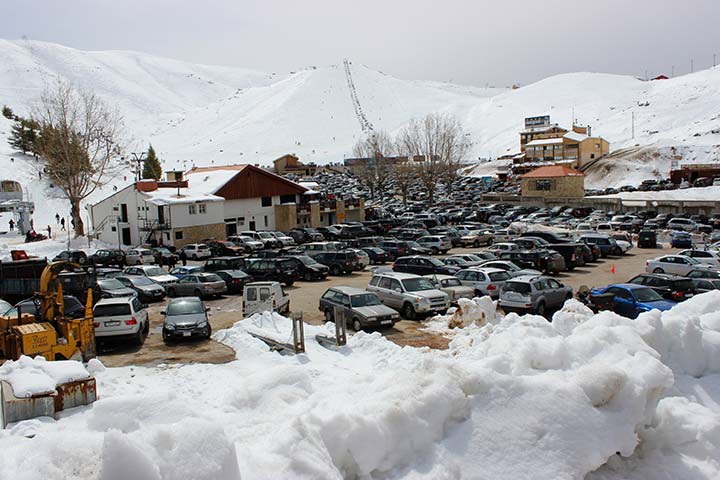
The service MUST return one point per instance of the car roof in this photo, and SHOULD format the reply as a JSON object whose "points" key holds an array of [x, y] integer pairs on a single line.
{"points": [[485, 269], [184, 299], [667, 276], [628, 286], [527, 278], [349, 290], [114, 301], [398, 275], [261, 284], [441, 277]]}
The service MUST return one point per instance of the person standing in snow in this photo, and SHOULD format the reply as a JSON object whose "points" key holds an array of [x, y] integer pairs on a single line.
{"points": [[11, 224], [62, 224], [49, 231], [183, 257], [57, 218]]}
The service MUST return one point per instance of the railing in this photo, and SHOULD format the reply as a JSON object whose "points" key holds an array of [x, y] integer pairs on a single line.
{"points": [[149, 225]]}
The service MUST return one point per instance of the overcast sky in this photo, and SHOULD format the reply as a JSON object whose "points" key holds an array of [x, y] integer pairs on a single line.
{"points": [[473, 42]]}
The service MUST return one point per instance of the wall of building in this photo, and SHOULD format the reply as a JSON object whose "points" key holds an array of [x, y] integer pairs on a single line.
{"points": [[104, 215], [194, 234], [560, 187], [249, 210], [591, 149], [285, 216]]}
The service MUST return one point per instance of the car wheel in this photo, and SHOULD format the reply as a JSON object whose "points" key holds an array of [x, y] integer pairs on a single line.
{"points": [[171, 292], [335, 270], [409, 312], [289, 283], [540, 309], [166, 337], [328, 316], [356, 325], [476, 243], [209, 331], [307, 276], [658, 270], [146, 329], [138, 338], [194, 256]]}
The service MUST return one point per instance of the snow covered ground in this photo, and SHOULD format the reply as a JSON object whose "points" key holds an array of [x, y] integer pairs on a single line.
{"points": [[586, 396], [699, 193]]}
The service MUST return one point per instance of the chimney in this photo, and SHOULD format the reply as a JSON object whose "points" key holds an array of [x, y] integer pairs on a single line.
{"points": [[589, 131], [146, 185]]}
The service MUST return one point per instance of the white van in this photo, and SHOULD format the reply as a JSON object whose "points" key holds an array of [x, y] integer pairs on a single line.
{"points": [[264, 297]]}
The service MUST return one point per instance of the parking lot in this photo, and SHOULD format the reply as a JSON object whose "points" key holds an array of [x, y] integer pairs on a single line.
{"points": [[304, 297]]}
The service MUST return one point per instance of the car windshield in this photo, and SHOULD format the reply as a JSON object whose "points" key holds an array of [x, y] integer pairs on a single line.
{"points": [[245, 239], [154, 272], [112, 310], [305, 260], [141, 281], [4, 307], [473, 258], [413, 244], [517, 287], [164, 251], [227, 244], [187, 307], [435, 262], [417, 284], [646, 295], [264, 235], [364, 300], [111, 284], [684, 285]]}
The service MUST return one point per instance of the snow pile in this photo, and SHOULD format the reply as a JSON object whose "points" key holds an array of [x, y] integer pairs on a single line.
{"points": [[36, 376], [513, 397], [478, 312]]}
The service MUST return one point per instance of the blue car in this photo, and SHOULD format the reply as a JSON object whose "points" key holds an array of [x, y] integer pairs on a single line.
{"points": [[181, 272], [681, 240], [631, 300]]}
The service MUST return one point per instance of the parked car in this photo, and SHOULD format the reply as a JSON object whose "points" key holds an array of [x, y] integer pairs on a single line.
{"points": [[682, 224], [223, 248], [400, 248], [670, 287], [676, 264], [309, 269], [108, 258], [112, 288], [185, 317], [681, 240], [631, 300], [198, 284], [182, 272], [513, 269], [476, 238], [703, 256], [268, 240], [360, 308], [484, 281], [313, 248], [246, 243], [154, 273], [163, 256], [549, 261], [703, 273], [533, 293], [224, 263], [377, 256], [264, 297], [139, 256], [280, 270], [436, 243], [73, 308], [235, 280], [283, 239], [339, 262], [423, 265], [123, 318], [647, 239], [704, 285], [74, 256], [410, 294], [452, 286], [196, 251], [146, 290]]}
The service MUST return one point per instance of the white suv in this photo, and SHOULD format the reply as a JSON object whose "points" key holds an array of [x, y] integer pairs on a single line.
{"points": [[140, 256], [408, 293], [197, 251], [436, 243], [123, 318], [683, 224]]}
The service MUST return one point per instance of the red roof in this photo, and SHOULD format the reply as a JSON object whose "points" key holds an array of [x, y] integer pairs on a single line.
{"points": [[553, 171]]}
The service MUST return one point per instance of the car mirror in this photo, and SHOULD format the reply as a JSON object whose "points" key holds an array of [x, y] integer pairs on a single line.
{"points": [[207, 309], [397, 290], [163, 312]]}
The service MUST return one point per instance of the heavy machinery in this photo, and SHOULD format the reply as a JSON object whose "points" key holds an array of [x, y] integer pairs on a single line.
{"points": [[53, 336]]}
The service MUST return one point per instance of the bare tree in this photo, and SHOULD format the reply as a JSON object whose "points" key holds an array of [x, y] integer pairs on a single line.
{"points": [[79, 136], [376, 171], [440, 140], [405, 173]]}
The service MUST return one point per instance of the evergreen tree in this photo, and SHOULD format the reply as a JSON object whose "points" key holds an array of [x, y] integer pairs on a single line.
{"points": [[24, 135], [152, 168], [8, 113]]}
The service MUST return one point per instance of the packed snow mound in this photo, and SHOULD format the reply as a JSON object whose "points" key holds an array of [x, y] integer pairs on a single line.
{"points": [[36, 376], [513, 397], [475, 312]]}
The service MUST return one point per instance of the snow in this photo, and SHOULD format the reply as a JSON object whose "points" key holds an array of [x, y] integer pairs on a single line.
{"points": [[686, 194], [594, 396], [34, 376]]}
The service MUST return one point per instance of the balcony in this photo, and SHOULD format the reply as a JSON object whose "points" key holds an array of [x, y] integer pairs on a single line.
{"points": [[149, 225]]}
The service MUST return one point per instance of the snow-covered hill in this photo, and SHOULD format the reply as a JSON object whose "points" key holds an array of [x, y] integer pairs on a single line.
{"points": [[199, 114]]}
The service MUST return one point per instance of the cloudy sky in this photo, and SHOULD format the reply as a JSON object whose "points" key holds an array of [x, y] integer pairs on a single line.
{"points": [[474, 42]]}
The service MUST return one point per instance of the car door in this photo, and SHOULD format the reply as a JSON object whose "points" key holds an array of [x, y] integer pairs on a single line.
{"points": [[395, 294], [682, 265], [624, 302], [556, 292], [140, 311], [184, 285]]}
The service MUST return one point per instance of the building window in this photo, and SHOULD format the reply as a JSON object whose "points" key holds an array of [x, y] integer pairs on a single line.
{"points": [[543, 185], [592, 155], [266, 222], [192, 210], [202, 208], [178, 235], [113, 229], [287, 198], [241, 220], [266, 201], [597, 145]]}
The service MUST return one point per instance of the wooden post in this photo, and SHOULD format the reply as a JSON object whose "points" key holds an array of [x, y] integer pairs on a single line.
{"points": [[340, 327], [298, 333]]}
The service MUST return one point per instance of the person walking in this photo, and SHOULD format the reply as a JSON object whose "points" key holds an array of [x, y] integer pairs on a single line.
{"points": [[62, 224], [11, 224], [171, 262], [49, 231], [57, 218], [183, 257]]}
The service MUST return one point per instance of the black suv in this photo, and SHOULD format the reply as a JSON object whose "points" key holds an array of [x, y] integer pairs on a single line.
{"points": [[573, 253], [224, 263], [224, 248], [107, 258], [163, 256], [423, 265], [339, 262], [74, 256], [308, 268], [548, 261], [671, 287], [280, 270]]}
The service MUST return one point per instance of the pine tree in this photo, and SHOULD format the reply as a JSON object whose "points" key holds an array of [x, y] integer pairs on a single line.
{"points": [[8, 113], [152, 168], [24, 135]]}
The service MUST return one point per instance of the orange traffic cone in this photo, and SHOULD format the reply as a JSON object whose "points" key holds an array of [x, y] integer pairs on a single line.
{"points": [[612, 269]]}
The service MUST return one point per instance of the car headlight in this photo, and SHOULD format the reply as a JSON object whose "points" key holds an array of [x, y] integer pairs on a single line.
{"points": [[371, 319], [202, 324], [394, 316], [169, 326]]}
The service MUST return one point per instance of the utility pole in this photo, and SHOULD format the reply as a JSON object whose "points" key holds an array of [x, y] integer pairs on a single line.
{"points": [[692, 65]]}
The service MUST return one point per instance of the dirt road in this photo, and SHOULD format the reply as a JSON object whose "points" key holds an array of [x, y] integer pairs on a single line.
{"points": [[304, 298]]}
